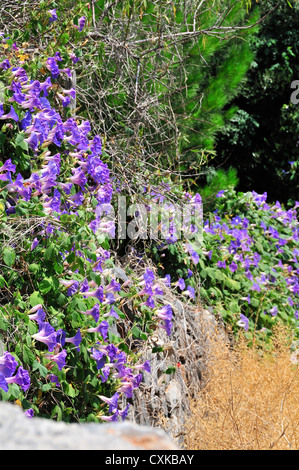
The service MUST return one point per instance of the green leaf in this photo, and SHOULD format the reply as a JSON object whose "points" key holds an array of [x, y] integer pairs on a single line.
{"points": [[137, 333], [69, 390], [35, 299], [3, 324], [45, 286], [46, 387], [232, 284], [64, 38], [50, 252], [28, 355], [157, 349], [254, 302], [2, 281], [33, 268], [234, 306], [42, 369], [9, 257], [14, 390], [20, 142], [170, 370]]}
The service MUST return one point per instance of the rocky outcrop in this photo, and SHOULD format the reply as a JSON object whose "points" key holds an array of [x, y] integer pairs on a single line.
{"points": [[18, 432], [178, 373]]}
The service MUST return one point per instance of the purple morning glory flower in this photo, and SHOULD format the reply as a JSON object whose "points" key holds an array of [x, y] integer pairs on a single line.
{"points": [[34, 244], [11, 115], [99, 357], [167, 280], [3, 383], [102, 328], [167, 326], [39, 316], [190, 292], [98, 293], [112, 402], [4, 65], [148, 277], [112, 313], [8, 364], [84, 286], [124, 412], [147, 290], [64, 99], [21, 378], [74, 58], [73, 288], [29, 413], [53, 15], [150, 302], [274, 311], [145, 366], [165, 313], [243, 322], [94, 312], [54, 379], [105, 372], [111, 418], [20, 73], [256, 286], [75, 340], [81, 23], [221, 264], [46, 335], [181, 284], [78, 178], [26, 121], [127, 389], [8, 166], [32, 141], [58, 358], [53, 67], [114, 286], [233, 267]]}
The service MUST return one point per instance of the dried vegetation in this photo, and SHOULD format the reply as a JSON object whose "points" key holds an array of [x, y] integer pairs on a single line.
{"points": [[251, 398]]}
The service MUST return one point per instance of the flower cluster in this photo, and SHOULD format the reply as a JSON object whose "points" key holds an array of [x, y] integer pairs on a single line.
{"points": [[254, 253], [8, 365], [62, 182]]}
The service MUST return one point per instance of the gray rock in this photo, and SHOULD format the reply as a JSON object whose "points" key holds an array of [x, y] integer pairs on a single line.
{"points": [[164, 399], [17, 432]]}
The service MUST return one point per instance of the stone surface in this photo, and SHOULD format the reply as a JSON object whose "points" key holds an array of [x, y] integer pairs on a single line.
{"points": [[164, 399], [17, 432]]}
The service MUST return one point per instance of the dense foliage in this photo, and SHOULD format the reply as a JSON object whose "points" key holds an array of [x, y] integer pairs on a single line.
{"points": [[261, 139]]}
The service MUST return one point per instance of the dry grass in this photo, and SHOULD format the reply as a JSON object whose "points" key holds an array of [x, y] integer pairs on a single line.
{"points": [[250, 401]]}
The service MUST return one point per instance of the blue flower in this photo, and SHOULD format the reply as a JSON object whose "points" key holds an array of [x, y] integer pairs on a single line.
{"points": [[53, 15], [81, 23], [75, 340], [11, 115], [21, 378], [46, 335], [243, 322]]}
